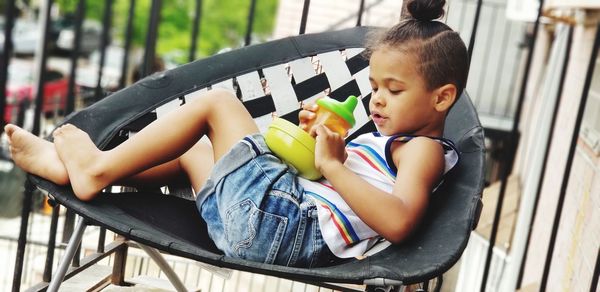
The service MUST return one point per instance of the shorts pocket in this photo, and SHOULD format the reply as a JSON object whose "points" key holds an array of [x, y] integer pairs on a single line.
{"points": [[253, 234]]}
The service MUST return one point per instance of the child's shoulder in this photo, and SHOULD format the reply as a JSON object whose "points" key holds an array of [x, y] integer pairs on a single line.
{"points": [[420, 149], [419, 144]]}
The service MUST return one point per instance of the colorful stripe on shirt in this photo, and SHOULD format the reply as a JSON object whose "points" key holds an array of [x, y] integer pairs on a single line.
{"points": [[372, 158], [339, 219]]}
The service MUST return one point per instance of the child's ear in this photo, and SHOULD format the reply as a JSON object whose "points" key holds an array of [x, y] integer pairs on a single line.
{"points": [[445, 97]]}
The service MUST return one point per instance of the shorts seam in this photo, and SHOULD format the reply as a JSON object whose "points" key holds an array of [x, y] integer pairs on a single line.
{"points": [[299, 237]]}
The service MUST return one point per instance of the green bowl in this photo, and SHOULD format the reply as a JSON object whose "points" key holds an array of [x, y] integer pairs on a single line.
{"points": [[294, 146]]}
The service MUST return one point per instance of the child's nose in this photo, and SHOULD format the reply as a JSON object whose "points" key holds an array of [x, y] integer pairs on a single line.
{"points": [[377, 98]]}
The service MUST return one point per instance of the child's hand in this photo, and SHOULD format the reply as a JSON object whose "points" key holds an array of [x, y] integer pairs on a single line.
{"points": [[330, 148], [307, 116]]}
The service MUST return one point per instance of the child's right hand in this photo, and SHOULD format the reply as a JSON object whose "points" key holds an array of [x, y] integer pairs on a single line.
{"points": [[307, 116], [330, 148]]}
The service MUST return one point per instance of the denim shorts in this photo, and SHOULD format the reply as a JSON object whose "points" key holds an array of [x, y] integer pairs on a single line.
{"points": [[256, 210]]}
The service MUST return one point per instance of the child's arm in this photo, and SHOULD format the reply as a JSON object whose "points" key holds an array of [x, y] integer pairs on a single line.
{"points": [[395, 215]]}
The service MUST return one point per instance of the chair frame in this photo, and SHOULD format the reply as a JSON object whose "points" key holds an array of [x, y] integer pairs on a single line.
{"points": [[116, 117]]}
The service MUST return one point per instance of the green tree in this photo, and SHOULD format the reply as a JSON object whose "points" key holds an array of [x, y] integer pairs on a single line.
{"points": [[223, 23]]}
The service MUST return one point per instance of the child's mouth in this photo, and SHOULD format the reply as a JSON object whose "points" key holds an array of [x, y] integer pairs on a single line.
{"points": [[377, 118]]}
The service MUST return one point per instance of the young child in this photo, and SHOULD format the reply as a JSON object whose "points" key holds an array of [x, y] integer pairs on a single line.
{"points": [[255, 206]]}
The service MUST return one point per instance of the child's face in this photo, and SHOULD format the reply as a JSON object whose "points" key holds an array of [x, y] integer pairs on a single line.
{"points": [[400, 102]]}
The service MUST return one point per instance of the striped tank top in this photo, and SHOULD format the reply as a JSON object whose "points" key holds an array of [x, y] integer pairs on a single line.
{"points": [[369, 156]]}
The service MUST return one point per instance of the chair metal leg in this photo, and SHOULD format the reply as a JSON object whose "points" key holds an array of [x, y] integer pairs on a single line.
{"points": [[384, 289], [438, 283], [164, 266], [20, 258], [74, 242]]}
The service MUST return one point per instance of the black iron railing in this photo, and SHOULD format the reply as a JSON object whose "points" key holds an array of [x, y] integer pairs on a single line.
{"points": [[509, 155], [495, 52], [566, 178], [9, 13]]}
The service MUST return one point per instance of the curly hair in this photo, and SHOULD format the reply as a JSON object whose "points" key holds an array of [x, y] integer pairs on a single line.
{"points": [[440, 54]]}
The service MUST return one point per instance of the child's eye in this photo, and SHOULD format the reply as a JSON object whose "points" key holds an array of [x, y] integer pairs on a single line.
{"points": [[395, 91], [374, 89]]}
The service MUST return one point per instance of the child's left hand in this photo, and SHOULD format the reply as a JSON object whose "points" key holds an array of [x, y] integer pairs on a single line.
{"points": [[330, 148]]}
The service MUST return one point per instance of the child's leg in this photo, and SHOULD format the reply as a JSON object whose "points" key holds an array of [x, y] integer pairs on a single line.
{"points": [[218, 114], [38, 156], [196, 164]]}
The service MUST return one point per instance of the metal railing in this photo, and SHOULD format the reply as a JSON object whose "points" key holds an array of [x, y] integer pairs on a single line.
{"points": [[495, 53], [569, 165]]}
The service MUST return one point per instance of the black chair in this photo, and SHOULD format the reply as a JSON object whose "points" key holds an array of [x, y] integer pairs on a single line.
{"points": [[275, 77]]}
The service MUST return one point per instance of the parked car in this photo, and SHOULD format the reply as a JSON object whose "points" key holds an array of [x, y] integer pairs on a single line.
{"points": [[91, 33], [20, 88], [25, 37]]}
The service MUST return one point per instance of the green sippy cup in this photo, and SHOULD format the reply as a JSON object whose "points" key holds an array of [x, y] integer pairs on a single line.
{"points": [[335, 115], [296, 147]]}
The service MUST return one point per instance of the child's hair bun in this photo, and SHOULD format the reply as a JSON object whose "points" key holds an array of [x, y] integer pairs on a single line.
{"points": [[426, 10]]}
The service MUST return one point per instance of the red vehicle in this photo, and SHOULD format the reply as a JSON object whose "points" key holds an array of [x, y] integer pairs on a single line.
{"points": [[20, 89]]}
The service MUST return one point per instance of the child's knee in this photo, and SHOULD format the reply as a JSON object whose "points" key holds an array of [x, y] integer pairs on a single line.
{"points": [[223, 95], [215, 99], [212, 100]]}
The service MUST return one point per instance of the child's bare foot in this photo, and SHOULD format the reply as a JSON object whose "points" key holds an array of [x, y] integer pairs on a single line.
{"points": [[35, 155], [82, 160]]}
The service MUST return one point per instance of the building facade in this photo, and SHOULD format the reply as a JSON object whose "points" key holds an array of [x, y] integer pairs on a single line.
{"points": [[576, 239]]}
